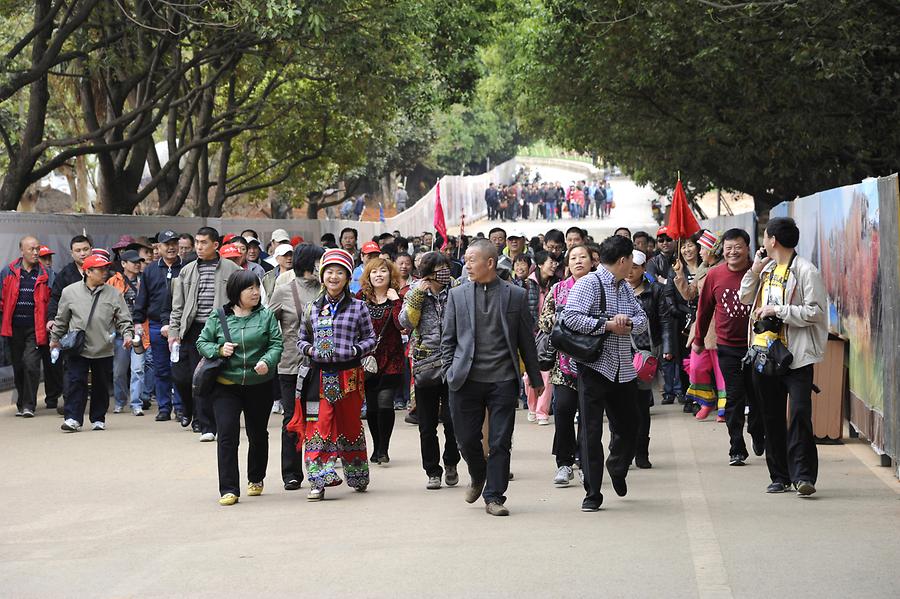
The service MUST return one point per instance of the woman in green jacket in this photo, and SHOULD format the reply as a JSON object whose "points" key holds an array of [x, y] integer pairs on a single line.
{"points": [[244, 381]]}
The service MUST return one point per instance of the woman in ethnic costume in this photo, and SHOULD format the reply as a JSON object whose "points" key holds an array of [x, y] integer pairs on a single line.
{"points": [[335, 333]]}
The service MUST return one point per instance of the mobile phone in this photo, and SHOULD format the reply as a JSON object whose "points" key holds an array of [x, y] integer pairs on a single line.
{"points": [[763, 253]]}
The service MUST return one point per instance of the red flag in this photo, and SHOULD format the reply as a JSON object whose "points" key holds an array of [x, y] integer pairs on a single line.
{"points": [[440, 225], [682, 223]]}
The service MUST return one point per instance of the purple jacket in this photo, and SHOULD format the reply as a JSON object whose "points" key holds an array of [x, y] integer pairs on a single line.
{"points": [[354, 336]]}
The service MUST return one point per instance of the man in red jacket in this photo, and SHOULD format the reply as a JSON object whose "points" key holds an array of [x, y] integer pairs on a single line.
{"points": [[721, 297], [24, 297]]}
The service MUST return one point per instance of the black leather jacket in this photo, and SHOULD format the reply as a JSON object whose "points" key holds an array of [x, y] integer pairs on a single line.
{"points": [[653, 301]]}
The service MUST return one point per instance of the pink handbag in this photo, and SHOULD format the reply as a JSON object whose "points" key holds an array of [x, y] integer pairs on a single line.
{"points": [[645, 363]]}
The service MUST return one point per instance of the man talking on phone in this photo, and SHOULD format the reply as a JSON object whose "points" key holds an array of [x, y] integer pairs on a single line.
{"points": [[603, 303]]}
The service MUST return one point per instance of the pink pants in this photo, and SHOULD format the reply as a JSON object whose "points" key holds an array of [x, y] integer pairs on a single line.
{"points": [[539, 405]]}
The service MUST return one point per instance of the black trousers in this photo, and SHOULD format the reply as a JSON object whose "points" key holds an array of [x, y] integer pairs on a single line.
{"points": [[564, 437], [739, 393], [644, 398], [255, 403], [291, 457], [197, 408], [467, 408], [790, 445], [596, 393], [26, 363], [53, 378], [432, 405], [77, 369], [380, 392]]}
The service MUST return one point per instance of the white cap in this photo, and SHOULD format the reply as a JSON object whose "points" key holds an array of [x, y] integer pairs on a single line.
{"points": [[517, 234], [282, 249], [639, 257], [280, 235]]}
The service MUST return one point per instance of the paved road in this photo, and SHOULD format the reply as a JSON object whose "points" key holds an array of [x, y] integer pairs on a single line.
{"points": [[632, 211], [132, 512]]}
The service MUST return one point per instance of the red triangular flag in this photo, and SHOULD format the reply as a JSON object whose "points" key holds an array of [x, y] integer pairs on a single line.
{"points": [[682, 223], [440, 225]]}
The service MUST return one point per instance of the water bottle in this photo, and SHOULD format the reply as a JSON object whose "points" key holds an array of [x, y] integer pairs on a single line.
{"points": [[54, 355], [176, 353]]}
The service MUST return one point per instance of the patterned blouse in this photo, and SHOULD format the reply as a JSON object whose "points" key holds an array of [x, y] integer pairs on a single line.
{"points": [[564, 371], [389, 351], [337, 331]]}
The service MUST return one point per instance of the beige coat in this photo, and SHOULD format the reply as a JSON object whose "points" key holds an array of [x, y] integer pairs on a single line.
{"points": [[283, 306], [184, 295], [110, 315]]}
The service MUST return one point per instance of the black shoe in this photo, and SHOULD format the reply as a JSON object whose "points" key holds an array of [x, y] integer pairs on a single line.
{"points": [[179, 416], [474, 491], [374, 459], [411, 419], [652, 401], [195, 427], [384, 459], [163, 416], [60, 410], [759, 446], [145, 405], [185, 421], [778, 488], [620, 486], [292, 485], [738, 459], [668, 400], [688, 408], [51, 405], [591, 505], [642, 463], [805, 488]]}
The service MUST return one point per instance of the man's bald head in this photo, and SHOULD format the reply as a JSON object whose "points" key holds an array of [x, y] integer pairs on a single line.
{"points": [[31, 248], [481, 261]]}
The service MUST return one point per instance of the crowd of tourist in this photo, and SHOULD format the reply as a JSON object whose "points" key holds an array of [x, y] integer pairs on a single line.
{"points": [[212, 327]]}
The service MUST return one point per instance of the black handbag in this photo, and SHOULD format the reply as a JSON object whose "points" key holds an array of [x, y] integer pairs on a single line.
{"points": [[207, 370], [546, 353], [774, 361], [73, 341], [582, 347]]}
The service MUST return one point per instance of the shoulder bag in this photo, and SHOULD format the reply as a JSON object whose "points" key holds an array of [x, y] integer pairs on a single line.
{"points": [[369, 363], [583, 347], [433, 374], [73, 341], [208, 368]]}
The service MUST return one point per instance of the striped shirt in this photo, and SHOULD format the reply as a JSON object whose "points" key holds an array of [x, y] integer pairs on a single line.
{"points": [[583, 314], [206, 288], [23, 315]]}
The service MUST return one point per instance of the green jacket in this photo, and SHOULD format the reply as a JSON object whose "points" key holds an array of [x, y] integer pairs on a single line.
{"points": [[258, 337]]}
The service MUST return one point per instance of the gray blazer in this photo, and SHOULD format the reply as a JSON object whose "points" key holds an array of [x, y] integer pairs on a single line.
{"points": [[458, 338]]}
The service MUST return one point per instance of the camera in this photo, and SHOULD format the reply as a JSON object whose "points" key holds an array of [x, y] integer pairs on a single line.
{"points": [[769, 324]]}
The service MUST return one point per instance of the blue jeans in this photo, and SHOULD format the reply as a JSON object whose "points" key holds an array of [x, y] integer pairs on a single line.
{"points": [[163, 370], [671, 378], [149, 388], [126, 361], [551, 211]]}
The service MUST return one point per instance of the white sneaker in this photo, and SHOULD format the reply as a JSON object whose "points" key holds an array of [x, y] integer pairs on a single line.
{"points": [[70, 425], [563, 476], [20, 413], [206, 437], [137, 411], [543, 421], [277, 408], [532, 416], [98, 426], [26, 413], [117, 410]]}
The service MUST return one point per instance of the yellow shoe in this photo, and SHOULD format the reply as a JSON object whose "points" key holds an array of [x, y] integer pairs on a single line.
{"points": [[254, 489], [228, 499]]}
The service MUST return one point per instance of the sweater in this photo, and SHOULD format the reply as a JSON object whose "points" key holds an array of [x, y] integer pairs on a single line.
{"points": [[720, 297]]}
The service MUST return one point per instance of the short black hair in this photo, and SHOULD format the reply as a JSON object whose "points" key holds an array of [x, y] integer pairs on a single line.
{"points": [[252, 233], [239, 240], [403, 255], [640, 235], [432, 261], [80, 239], [391, 250], [305, 257], [350, 230], [497, 230], [385, 236], [732, 234], [581, 232], [328, 240], [237, 282], [554, 235], [208, 232], [525, 258], [187, 236], [784, 230], [614, 248], [626, 229]]}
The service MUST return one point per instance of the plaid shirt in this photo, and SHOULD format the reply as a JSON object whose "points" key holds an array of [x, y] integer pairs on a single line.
{"points": [[354, 336], [582, 314]]}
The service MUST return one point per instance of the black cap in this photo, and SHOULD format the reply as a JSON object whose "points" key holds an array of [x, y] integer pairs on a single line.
{"points": [[130, 256], [167, 236]]}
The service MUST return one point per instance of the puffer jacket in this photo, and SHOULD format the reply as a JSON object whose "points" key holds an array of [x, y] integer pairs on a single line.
{"points": [[806, 314], [258, 337], [423, 313]]}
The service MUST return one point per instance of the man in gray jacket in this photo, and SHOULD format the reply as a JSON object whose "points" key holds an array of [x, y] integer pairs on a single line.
{"points": [[789, 306], [197, 292], [487, 327]]}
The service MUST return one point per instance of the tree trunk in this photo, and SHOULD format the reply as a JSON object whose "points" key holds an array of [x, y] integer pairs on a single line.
{"points": [[81, 183]]}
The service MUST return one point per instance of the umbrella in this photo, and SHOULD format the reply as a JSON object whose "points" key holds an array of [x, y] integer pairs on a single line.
{"points": [[682, 223]]}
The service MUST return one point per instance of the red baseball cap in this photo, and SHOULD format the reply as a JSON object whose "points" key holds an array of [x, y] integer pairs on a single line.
{"points": [[296, 240], [230, 251], [95, 261], [662, 231], [228, 237], [45, 251], [370, 247]]}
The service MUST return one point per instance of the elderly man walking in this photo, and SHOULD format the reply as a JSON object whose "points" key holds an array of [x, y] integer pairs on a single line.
{"points": [[487, 327]]}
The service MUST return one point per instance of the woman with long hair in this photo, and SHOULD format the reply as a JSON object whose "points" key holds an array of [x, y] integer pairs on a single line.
{"points": [[251, 352], [380, 292], [335, 333], [683, 310], [563, 376], [543, 278]]}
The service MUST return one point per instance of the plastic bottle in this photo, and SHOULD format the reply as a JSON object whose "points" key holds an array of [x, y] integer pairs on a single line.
{"points": [[54, 355], [176, 353]]}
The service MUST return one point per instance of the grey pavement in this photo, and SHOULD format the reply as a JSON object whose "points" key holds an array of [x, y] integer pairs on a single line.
{"points": [[132, 512]]}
